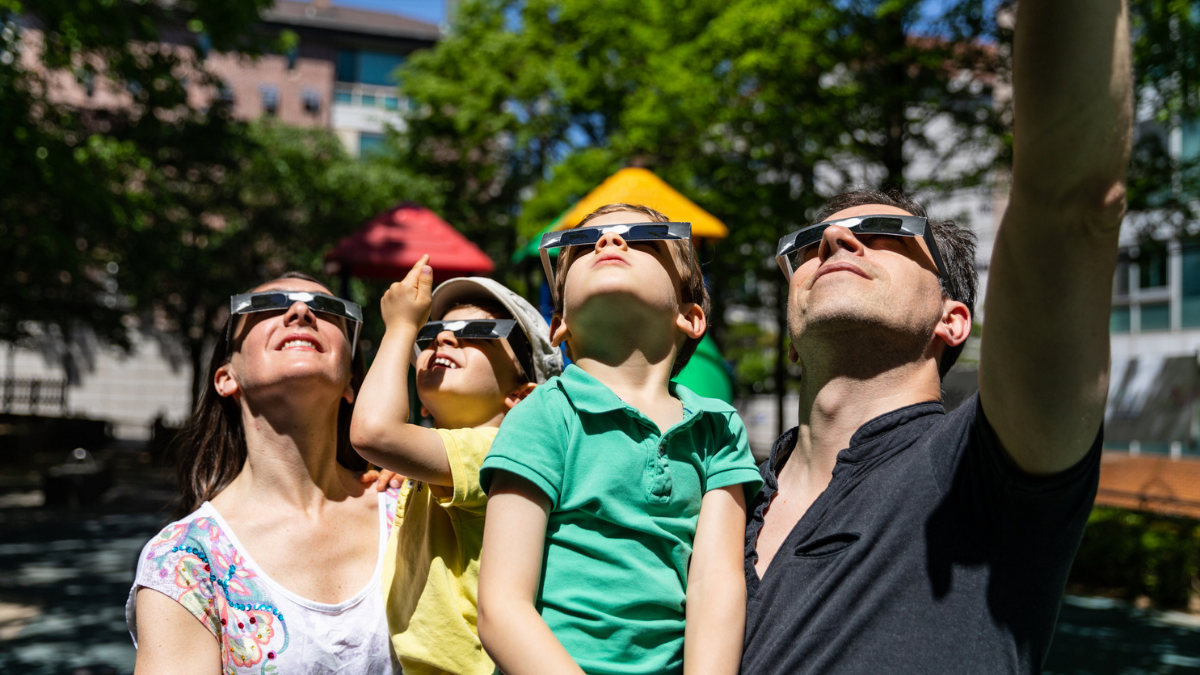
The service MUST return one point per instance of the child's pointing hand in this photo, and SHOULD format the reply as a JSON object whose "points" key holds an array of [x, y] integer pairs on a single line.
{"points": [[407, 302]]}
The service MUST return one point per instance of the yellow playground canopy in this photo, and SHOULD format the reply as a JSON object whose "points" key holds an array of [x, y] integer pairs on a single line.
{"points": [[640, 186]]}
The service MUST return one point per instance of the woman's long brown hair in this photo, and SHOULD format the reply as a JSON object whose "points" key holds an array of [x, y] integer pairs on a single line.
{"points": [[212, 445]]}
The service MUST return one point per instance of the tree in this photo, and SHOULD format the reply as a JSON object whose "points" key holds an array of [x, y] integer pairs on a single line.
{"points": [[756, 109]]}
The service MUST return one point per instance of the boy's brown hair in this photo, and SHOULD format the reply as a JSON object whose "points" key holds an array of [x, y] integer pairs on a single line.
{"points": [[691, 282]]}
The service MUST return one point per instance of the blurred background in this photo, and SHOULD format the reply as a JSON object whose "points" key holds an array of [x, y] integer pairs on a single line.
{"points": [[158, 156]]}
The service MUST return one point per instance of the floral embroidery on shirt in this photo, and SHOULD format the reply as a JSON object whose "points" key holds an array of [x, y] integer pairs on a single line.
{"points": [[220, 590]]}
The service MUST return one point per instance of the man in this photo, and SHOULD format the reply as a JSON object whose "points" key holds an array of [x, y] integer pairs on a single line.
{"points": [[892, 537]]}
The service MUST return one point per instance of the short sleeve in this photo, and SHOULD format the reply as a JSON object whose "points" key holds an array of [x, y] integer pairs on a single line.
{"points": [[1035, 520], [532, 442], [465, 451], [172, 564], [731, 462]]}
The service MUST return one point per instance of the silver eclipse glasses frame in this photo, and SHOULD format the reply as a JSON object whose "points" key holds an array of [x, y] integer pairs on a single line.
{"points": [[479, 329], [270, 301], [466, 329], [588, 236], [887, 225]]}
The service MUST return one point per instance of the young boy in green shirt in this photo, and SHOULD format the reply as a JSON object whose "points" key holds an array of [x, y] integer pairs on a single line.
{"points": [[484, 352], [616, 498]]}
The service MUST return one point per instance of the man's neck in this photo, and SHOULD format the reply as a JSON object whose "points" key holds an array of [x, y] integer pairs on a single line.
{"points": [[833, 406]]}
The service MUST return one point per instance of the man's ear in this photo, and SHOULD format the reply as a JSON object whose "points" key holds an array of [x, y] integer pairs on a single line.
{"points": [[518, 394], [691, 321], [224, 383], [558, 330], [955, 326], [793, 354]]}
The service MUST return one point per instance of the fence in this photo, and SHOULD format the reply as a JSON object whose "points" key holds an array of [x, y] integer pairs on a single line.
{"points": [[29, 395]]}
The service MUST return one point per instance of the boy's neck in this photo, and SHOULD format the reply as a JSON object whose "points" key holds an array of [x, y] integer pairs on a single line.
{"points": [[640, 383]]}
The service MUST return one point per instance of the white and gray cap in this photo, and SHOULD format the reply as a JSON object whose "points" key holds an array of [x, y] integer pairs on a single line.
{"points": [[547, 361]]}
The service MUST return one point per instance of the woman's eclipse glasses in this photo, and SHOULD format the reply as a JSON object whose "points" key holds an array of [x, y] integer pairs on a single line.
{"points": [[278, 301]]}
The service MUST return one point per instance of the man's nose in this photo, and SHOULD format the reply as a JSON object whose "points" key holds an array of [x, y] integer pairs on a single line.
{"points": [[836, 238], [611, 239]]}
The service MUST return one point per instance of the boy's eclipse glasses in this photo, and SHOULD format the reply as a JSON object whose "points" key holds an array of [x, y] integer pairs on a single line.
{"points": [[481, 329], [892, 226], [276, 301], [588, 236]]}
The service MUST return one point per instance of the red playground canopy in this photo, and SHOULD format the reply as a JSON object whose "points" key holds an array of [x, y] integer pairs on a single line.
{"points": [[388, 245]]}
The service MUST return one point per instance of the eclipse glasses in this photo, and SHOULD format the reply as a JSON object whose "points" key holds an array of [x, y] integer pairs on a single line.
{"points": [[891, 226], [480, 329], [277, 301], [588, 236]]}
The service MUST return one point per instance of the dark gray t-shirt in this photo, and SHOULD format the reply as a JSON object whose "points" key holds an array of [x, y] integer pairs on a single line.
{"points": [[929, 552]]}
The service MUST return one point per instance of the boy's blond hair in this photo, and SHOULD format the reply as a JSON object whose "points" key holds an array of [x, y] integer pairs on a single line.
{"points": [[691, 282]]}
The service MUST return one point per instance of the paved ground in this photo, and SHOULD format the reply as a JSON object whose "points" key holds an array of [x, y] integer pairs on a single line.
{"points": [[65, 576]]}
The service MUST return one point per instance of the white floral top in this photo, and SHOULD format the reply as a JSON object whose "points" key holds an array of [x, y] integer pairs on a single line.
{"points": [[262, 627]]}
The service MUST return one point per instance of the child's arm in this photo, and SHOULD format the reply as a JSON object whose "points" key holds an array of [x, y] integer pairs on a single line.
{"points": [[510, 570], [716, 591], [379, 430]]}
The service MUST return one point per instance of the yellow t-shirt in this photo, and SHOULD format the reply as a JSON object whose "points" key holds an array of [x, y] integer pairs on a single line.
{"points": [[431, 572]]}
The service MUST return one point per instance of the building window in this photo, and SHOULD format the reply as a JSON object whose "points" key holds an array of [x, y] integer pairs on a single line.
{"points": [[370, 144], [1152, 267], [343, 96], [1119, 320], [311, 100], [1156, 316], [270, 98], [367, 67], [391, 102], [368, 100]]}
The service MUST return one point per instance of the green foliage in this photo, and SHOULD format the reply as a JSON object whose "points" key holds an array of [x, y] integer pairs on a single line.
{"points": [[1166, 56], [1140, 554], [526, 106], [152, 208]]}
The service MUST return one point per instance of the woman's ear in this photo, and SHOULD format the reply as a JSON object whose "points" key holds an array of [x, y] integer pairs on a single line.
{"points": [[518, 394], [558, 330], [224, 383], [691, 321]]}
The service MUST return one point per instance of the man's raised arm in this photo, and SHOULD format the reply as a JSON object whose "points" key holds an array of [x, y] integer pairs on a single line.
{"points": [[1043, 374]]}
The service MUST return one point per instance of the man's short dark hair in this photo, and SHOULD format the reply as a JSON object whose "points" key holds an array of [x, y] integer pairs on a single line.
{"points": [[955, 242]]}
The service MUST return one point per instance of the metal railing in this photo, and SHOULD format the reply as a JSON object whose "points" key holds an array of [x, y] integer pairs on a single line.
{"points": [[31, 394]]}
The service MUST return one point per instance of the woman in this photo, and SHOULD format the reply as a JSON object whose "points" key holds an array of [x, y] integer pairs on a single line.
{"points": [[276, 568]]}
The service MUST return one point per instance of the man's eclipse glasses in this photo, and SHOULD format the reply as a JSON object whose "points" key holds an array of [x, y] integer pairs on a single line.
{"points": [[794, 245], [278, 301], [588, 236]]}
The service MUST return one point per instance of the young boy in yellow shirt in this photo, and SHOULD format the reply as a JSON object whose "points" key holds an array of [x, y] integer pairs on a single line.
{"points": [[485, 351]]}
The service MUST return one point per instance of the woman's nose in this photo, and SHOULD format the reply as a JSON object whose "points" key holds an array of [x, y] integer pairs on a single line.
{"points": [[299, 312]]}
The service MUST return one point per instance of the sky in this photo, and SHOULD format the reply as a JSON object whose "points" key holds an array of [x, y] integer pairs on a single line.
{"points": [[433, 11]]}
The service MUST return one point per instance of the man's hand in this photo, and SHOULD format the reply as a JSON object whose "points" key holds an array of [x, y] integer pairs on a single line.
{"points": [[407, 302]]}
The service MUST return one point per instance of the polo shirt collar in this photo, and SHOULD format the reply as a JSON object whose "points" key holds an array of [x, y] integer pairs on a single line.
{"points": [[872, 439], [593, 396]]}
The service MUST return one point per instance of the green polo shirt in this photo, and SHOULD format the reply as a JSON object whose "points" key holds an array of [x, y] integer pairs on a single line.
{"points": [[624, 502]]}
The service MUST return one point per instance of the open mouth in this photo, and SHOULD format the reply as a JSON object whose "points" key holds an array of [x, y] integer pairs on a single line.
{"points": [[301, 342], [440, 361]]}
